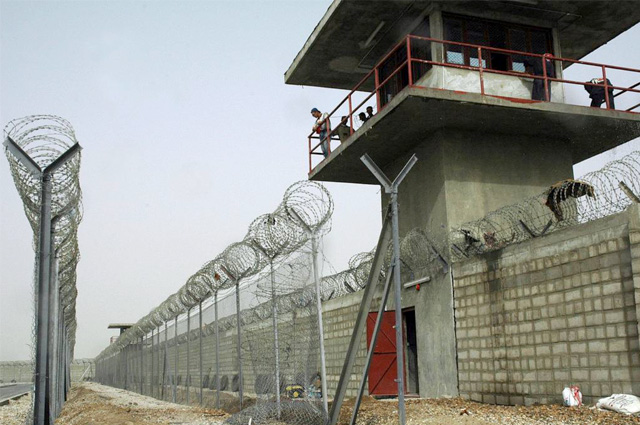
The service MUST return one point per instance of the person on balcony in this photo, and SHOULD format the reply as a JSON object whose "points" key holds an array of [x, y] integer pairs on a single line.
{"points": [[538, 91], [323, 128], [369, 112], [344, 131], [596, 93], [363, 118]]}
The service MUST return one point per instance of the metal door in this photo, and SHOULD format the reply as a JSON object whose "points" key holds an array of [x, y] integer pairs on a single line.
{"points": [[383, 371]]}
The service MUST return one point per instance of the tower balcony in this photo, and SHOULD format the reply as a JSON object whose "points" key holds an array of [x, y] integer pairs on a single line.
{"points": [[424, 85]]}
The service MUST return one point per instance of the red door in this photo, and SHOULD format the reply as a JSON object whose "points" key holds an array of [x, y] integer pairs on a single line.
{"points": [[384, 370]]}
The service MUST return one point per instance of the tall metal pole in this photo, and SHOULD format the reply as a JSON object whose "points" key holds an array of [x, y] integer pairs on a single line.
{"points": [[323, 362], [215, 309], [398, 303], [392, 189], [316, 278], [274, 316], [142, 364], [158, 362], [54, 348], [122, 358], [188, 375], [153, 363], [239, 342], [41, 402], [166, 358], [200, 346], [175, 363]]}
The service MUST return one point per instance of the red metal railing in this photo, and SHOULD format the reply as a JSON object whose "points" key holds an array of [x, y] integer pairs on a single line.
{"points": [[410, 60]]}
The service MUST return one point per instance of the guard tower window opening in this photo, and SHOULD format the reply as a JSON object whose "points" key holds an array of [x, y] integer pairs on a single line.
{"points": [[488, 33], [419, 49]]}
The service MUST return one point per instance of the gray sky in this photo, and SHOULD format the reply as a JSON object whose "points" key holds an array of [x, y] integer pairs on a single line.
{"points": [[189, 133]]}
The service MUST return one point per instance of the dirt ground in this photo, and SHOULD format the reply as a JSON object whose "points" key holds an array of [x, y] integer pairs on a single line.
{"points": [[15, 412], [95, 404], [457, 411]]}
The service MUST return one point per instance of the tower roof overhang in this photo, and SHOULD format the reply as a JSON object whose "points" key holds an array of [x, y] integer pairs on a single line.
{"points": [[352, 36]]}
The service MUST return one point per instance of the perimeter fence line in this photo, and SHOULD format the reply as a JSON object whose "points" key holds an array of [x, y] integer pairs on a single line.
{"points": [[257, 304], [44, 159]]}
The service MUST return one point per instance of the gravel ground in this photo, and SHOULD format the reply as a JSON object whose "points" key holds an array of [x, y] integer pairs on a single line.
{"points": [[16, 411], [94, 404], [464, 412]]}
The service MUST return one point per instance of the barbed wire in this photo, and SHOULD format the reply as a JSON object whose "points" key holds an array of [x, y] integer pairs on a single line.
{"points": [[567, 203], [44, 138]]}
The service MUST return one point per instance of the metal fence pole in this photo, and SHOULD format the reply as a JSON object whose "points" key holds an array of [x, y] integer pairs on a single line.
{"points": [[392, 189], [316, 278], [166, 366], [41, 405], [200, 346], [274, 315], [188, 375], [215, 309], [157, 384], [153, 364], [323, 362], [239, 344], [54, 348], [175, 363], [142, 364]]}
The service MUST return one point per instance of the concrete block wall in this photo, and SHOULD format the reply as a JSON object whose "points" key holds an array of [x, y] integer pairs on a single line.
{"points": [[81, 369], [339, 318], [537, 316]]}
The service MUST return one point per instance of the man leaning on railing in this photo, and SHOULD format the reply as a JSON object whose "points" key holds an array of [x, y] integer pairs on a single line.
{"points": [[322, 127]]}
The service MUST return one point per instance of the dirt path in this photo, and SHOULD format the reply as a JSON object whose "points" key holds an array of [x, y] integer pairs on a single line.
{"points": [[95, 404]]}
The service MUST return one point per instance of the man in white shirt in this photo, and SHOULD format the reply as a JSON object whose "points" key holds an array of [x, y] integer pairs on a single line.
{"points": [[323, 128]]}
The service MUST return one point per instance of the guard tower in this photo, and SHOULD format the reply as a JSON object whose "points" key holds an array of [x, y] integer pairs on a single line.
{"points": [[466, 87]]}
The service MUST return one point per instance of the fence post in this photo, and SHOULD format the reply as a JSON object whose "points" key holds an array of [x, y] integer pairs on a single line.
{"points": [[188, 375], [200, 346], [175, 363], [215, 309]]}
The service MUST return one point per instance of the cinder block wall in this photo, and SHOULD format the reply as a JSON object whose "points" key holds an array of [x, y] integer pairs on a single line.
{"points": [[81, 369], [537, 316]]}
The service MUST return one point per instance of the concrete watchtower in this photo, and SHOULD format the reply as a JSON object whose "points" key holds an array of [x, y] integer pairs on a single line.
{"points": [[462, 85]]}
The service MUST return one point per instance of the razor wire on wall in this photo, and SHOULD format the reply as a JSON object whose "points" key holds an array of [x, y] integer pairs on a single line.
{"points": [[44, 159], [567, 203]]}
